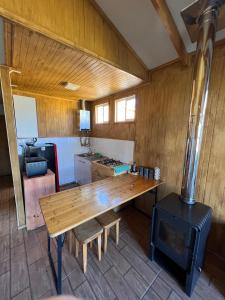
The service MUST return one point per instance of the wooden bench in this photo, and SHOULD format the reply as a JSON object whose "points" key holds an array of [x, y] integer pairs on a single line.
{"points": [[108, 220], [85, 234]]}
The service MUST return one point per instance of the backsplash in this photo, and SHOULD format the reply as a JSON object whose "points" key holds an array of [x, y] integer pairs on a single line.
{"points": [[122, 150]]}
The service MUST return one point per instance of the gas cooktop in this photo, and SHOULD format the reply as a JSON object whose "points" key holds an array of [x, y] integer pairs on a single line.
{"points": [[109, 162]]}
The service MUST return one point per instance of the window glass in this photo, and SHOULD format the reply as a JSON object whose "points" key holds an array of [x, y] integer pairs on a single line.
{"points": [[125, 109], [121, 111], [130, 109], [102, 113]]}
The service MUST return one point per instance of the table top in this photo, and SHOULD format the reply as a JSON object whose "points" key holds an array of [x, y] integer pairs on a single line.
{"points": [[68, 209]]}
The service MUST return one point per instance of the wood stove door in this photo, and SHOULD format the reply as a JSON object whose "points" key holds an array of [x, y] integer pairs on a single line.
{"points": [[174, 238]]}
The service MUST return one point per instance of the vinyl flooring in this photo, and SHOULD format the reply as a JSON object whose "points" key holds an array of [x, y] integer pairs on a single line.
{"points": [[125, 272]]}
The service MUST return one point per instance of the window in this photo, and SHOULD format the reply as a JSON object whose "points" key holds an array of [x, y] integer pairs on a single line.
{"points": [[125, 109], [102, 113]]}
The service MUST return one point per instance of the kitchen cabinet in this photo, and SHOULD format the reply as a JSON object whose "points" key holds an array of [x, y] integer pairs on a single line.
{"points": [[26, 116], [82, 170], [99, 172], [34, 189]]}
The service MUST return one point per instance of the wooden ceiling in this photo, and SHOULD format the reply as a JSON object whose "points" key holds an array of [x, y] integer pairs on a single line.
{"points": [[45, 64]]}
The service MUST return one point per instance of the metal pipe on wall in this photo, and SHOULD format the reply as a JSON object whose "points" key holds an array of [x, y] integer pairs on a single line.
{"points": [[202, 70]]}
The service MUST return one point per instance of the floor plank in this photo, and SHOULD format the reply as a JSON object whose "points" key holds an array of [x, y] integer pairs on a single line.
{"points": [[5, 286], [136, 282], [98, 282], [4, 267], [104, 265], [139, 265], [4, 248], [19, 270], [25, 295], [4, 225], [84, 291], [119, 285], [162, 289], [174, 296], [39, 278], [76, 278], [117, 260], [176, 287], [151, 295], [130, 240]]}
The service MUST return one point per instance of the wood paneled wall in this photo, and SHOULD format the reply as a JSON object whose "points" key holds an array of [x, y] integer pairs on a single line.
{"points": [[76, 23], [121, 131], [160, 135], [56, 117]]}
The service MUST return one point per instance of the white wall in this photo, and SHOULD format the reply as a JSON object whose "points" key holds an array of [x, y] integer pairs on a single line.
{"points": [[69, 146], [118, 149]]}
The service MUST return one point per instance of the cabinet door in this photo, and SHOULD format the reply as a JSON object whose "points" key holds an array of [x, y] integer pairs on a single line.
{"points": [[82, 170], [26, 116]]}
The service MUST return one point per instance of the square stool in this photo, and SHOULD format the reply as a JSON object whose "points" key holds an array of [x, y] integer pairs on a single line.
{"points": [[84, 234], [108, 220]]}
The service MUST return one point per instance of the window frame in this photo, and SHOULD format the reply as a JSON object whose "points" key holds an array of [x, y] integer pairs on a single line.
{"points": [[96, 118], [126, 99]]}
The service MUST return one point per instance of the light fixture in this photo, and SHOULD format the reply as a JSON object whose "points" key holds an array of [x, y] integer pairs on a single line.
{"points": [[70, 86]]}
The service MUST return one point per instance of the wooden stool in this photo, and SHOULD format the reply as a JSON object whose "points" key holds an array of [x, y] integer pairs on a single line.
{"points": [[84, 234], [107, 220]]}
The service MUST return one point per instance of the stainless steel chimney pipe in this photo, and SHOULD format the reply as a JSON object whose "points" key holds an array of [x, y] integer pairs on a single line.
{"points": [[202, 69]]}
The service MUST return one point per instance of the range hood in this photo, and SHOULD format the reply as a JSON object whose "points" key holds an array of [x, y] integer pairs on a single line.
{"points": [[84, 117]]}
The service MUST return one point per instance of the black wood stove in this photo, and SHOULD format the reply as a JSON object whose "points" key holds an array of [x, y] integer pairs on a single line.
{"points": [[180, 225], [179, 236]]}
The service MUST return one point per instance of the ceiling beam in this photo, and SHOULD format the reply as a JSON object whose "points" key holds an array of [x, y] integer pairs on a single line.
{"points": [[171, 28]]}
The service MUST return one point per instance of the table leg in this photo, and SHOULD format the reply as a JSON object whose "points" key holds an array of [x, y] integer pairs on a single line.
{"points": [[156, 195], [57, 276]]}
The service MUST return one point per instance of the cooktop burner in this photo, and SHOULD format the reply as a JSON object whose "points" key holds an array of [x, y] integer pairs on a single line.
{"points": [[109, 162]]}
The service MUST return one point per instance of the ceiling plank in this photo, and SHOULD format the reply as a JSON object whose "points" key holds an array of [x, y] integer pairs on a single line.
{"points": [[45, 64], [79, 26], [171, 28]]}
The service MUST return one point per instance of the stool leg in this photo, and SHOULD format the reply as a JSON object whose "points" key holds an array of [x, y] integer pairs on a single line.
{"points": [[85, 257], [99, 247], [117, 232], [105, 239], [76, 247]]}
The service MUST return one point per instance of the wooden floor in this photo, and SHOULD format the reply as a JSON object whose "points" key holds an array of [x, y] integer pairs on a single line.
{"points": [[124, 272]]}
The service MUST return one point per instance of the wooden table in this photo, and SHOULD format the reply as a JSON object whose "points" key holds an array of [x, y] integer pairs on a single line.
{"points": [[65, 210]]}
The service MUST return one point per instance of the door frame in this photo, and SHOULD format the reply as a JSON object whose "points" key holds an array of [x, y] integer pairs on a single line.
{"points": [[12, 143]]}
